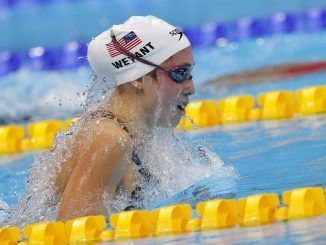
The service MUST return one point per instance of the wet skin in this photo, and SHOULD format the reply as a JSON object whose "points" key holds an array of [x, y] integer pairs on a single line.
{"points": [[94, 168]]}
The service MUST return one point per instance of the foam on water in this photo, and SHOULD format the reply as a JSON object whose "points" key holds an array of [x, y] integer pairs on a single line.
{"points": [[37, 95]]}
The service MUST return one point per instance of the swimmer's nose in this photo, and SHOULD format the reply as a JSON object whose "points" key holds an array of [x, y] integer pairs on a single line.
{"points": [[188, 87]]}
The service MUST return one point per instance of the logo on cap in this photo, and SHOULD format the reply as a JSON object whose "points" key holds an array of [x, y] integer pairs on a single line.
{"points": [[176, 32], [128, 42]]}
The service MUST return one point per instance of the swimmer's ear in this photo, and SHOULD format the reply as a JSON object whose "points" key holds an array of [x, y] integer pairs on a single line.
{"points": [[138, 85]]}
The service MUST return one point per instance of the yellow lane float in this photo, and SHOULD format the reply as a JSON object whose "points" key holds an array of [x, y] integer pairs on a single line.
{"points": [[85, 229], [203, 114], [255, 210], [11, 137], [66, 125], [304, 202], [171, 220], [271, 105], [255, 114], [9, 235], [235, 109], [193, 225], [41, 135], [50, 233], [107, 235], [277, 105], [311, 100], [258, 209], [131, 224], [218, 214]]}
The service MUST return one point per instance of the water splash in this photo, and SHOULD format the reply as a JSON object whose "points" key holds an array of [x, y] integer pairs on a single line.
{"points": [[40, 202], [173, 164], [50, 94], [99, 92], [195, 126]]}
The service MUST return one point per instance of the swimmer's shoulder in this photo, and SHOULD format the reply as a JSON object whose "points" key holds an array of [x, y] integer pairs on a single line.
{"points": [[106, 132]]}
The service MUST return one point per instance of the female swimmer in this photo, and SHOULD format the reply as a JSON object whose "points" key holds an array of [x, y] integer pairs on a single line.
{"points": [[151, 62]]}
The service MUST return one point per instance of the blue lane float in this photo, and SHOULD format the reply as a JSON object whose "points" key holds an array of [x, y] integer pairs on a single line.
{"points": [[73, 54], [7, 3], [25, 3], [9, 62], [41, 58], [250, 28], [283, 22], [207, 34], [315, 19]]}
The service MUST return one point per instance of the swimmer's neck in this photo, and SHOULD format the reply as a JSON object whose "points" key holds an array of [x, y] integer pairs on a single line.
{"points": [[129, 110]]}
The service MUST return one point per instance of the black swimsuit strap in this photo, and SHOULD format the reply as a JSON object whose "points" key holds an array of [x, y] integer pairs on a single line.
{"points": [[143, 171], [110, 115]]}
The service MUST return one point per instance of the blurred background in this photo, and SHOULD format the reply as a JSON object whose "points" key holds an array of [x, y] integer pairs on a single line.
{"points": [[43, 44]]}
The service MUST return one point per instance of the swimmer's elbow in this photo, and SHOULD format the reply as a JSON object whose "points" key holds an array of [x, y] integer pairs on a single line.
{"points": [[74, 207]]}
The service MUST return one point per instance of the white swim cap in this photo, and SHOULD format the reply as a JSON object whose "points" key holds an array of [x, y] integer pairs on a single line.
{"points": [[147, 37]]}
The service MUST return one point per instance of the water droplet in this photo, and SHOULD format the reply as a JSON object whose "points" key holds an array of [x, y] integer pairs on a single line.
{"points": [[195, 126]]}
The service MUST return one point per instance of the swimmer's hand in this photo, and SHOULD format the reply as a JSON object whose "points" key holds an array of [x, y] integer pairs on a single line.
{"points": [[101, 165]]}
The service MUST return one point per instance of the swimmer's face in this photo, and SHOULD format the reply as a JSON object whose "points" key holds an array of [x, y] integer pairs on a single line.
{"points": [[164, 98]]}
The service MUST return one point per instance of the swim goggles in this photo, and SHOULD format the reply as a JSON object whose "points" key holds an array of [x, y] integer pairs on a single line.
{"points": [[179, 74]]}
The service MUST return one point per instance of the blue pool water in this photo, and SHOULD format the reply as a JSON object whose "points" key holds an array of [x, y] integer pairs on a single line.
{"points": [[269, 156]]}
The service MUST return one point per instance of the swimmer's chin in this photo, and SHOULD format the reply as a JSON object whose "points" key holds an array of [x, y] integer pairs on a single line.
{"points": [[171, 122], [174, 123]]}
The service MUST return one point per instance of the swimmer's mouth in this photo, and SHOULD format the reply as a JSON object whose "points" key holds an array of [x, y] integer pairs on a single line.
{"points": [[181, 106]]}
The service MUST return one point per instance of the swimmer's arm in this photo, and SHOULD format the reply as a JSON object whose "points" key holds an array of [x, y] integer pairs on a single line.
{"points": [[128, 182], [96, 171]]}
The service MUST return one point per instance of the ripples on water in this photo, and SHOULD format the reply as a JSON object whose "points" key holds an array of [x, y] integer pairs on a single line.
{"points": [[307, 231]]}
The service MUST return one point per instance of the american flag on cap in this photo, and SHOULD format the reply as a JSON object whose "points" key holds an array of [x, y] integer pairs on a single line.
{"points": [[128, 42]]}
